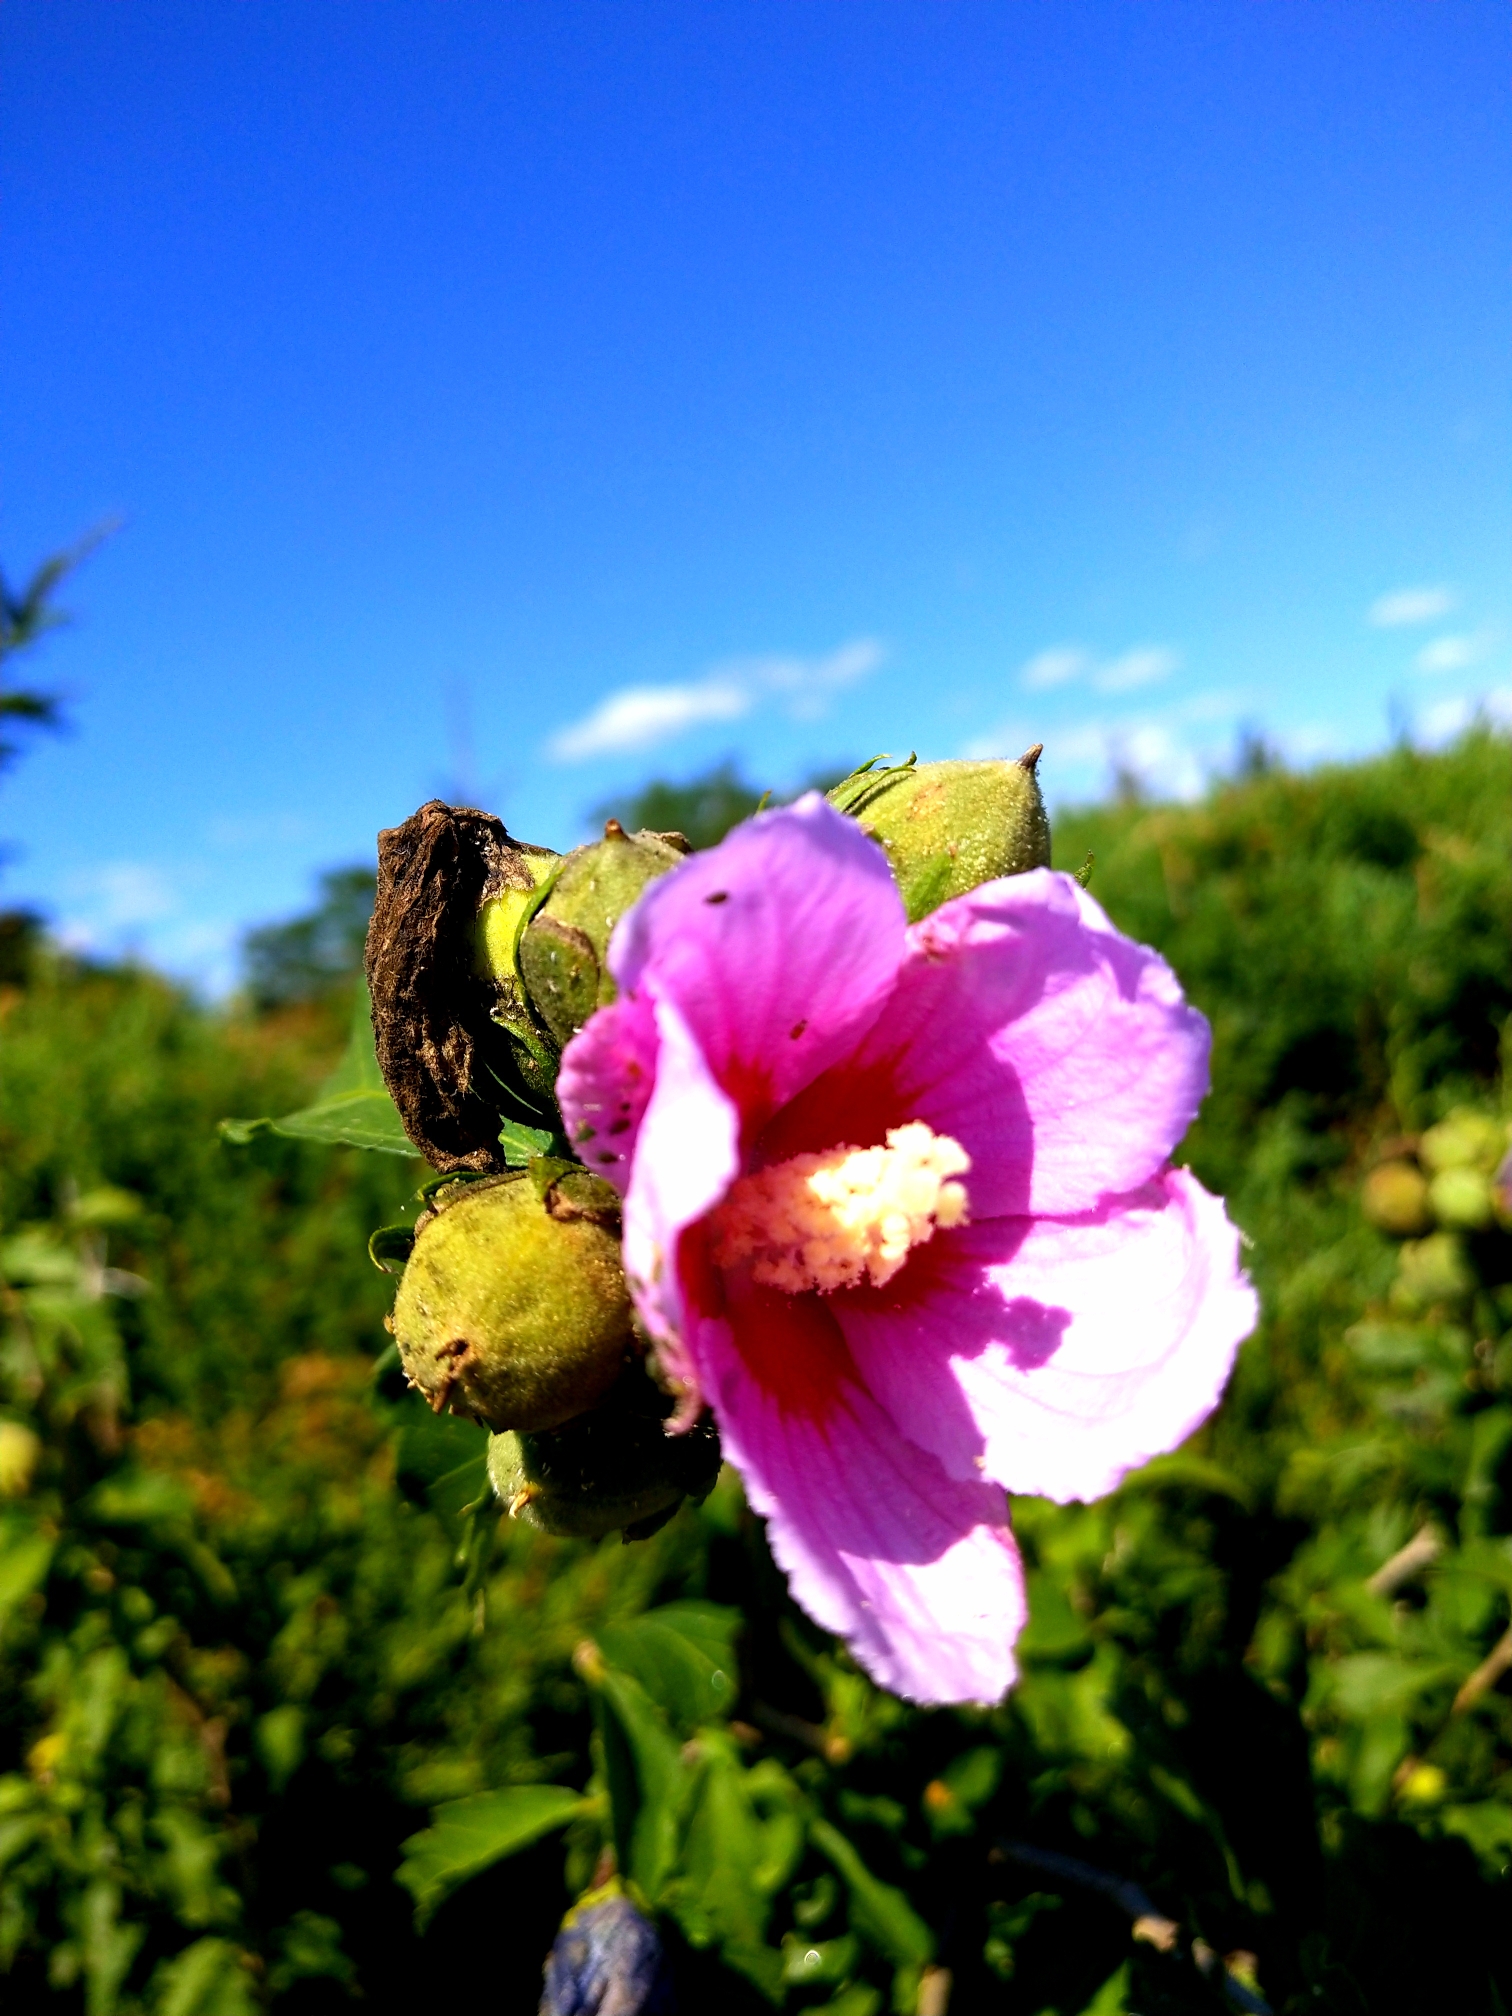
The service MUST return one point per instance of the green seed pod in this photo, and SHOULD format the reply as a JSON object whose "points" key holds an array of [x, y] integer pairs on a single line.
{"points": [[613, 1469], [564, 949], [1461, 1199], [948, 827], [513, 1307], [20, 1453], [1395, 1200], [1466, 1140]]}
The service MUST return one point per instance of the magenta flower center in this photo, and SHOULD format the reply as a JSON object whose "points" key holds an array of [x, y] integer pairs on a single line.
{"points": [[842, 1218]]}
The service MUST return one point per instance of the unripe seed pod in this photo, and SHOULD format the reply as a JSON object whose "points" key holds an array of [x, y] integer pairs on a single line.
{"points": [[564, 950], [1461, 1199], [1466, 1140], [1395, 1200], [948, 827], [513, 1307], [615, 1468]]}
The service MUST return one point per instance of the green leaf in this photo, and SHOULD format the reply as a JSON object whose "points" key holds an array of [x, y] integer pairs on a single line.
{"points": [[25, 1558], [521, 1144], [682, 1656], [878, 1912], [649, 1782], [467, 1836], [205, 1979], [1112, 1999], [354, 1108], [718, 1897]]}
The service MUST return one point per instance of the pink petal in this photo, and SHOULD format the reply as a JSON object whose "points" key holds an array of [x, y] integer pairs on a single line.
{"points": [[1058, 1052], [607, 1077], [778, 947], [687, 1155], [917, 1571], [1055, 1355]]}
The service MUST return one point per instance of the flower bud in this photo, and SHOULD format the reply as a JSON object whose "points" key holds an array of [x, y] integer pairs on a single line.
{"points": [[513, 1307], [564, 950], [948, 827], [607, 1960], [1395, 1200], [614, 1468]]}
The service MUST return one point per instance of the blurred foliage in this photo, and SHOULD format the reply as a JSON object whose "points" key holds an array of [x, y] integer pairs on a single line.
{"points": [[276, 1681], [312, 958], [26, 616]]}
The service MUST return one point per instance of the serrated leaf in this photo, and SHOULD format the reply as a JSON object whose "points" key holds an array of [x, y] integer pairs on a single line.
{"points": [[467, 1836], [649, 1782], [878, 1911], [681, 1655]]}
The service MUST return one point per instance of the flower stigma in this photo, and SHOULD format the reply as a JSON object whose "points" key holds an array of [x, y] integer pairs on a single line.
{"points": [[845, 1217]]}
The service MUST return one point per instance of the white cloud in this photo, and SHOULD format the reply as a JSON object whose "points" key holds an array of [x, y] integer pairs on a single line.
{"points": [[117, 897], [641, 717], [1447, 718], [1060, 664], [1410, 605], [1133, 669], [1055, 667], [1172, 751], [1453, 654], [638, 717]]}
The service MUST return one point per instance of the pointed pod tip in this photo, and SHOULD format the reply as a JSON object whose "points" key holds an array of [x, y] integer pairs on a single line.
{"points": [[1030, 758]]}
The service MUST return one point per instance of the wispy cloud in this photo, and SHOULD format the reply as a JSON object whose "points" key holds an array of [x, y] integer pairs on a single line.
{"points": [[1453, 654], [1056, 667], [1410, 605], [638, 717], [1061, 664], [1173, 750], [642, 717], [1145, 666]]}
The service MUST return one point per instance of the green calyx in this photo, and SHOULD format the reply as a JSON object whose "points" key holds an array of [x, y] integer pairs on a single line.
{"points": [[513, 1306], [948, 827], [564, 943], [614, 1469]]}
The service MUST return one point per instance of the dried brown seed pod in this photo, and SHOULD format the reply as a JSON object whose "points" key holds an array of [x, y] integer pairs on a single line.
{"points": [[449, 1065]]}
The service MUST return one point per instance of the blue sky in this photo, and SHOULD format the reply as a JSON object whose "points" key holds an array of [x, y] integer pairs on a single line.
{"points": [[515, 401]]}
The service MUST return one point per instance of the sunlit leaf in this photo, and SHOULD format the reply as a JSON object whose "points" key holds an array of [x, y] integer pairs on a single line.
{"points": [[469, 1835], [353, 1109]]}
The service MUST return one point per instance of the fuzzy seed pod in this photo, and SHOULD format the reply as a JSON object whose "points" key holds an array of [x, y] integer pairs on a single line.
{"points": [[564, 951], [1395, 1200], [948, 827], [613, 1469], [513, 1307]]}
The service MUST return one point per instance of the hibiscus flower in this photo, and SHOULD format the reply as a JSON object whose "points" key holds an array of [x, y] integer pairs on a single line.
{"points": [[899, 1208]]}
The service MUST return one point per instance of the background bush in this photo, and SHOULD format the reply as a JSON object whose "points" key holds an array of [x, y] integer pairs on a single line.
{"points": [[253, 1640]]}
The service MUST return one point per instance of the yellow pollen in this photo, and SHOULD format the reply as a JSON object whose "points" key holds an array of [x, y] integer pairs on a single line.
{"points": [[848, 1216]]}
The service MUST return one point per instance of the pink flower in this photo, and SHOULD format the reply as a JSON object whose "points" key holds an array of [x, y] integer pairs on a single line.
{"points": [[899, 1208]]}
